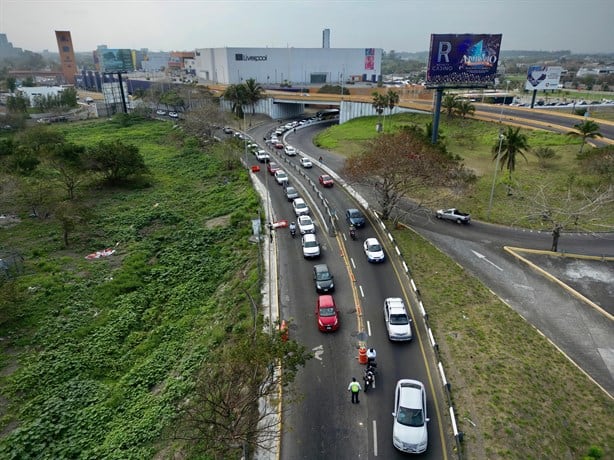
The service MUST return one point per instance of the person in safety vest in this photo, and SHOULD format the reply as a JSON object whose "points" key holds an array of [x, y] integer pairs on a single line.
{"points": [[354, 388]]}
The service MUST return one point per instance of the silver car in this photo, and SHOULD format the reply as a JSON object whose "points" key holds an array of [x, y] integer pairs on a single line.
{"points": [[409, 430]]}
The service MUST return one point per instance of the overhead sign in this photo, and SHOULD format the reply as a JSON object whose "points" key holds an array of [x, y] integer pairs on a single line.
{"points": [[540, 77], [116, 60], [463, 60]]}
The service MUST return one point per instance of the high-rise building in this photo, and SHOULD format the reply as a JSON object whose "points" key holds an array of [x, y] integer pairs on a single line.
{"points": [[67, 55], [326, 38]]}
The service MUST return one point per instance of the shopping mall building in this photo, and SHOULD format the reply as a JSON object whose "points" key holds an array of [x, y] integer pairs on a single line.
{"points": [[293, 66]]}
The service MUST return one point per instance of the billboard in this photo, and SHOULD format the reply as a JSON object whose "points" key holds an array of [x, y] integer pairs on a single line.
{"points": [[115, 60], [540, 77], [463, 60]]}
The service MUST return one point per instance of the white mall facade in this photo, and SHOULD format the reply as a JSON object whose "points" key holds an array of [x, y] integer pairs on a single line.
{"points": [[293, 66]]}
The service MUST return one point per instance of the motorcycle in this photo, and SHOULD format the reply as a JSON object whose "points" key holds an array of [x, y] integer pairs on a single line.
{"points": [[352, 233], [369, 378], [293, 230]]}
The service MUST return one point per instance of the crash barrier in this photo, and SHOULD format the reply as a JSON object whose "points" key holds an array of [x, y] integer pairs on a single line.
{"points": [[458, 435]]}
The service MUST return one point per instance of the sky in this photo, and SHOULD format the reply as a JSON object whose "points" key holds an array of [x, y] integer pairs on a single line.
{"points": [[582, 26]]}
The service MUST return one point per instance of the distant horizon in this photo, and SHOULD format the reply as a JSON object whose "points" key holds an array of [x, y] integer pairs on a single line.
{"points": [[582, 28]]}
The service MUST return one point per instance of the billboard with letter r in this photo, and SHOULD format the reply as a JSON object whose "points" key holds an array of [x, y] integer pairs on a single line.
{"points": [[463, 60]]}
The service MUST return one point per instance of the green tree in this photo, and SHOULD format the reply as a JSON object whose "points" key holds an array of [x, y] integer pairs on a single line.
{"points": [[11, 84], [449, 103], [237, 96], [379, 103], [71, 216], [512, 143], [17, 104], [68, 162], [253, 93], [588, 129], [116, 161], [465, 108]]}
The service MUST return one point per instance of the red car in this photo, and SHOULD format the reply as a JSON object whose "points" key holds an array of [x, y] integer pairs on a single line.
{"points": [[279, 145], [272, 167], [326, 180], [327, 313]]}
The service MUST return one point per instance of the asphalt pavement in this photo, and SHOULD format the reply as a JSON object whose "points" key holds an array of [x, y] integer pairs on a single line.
{"points": [[569, 299]]}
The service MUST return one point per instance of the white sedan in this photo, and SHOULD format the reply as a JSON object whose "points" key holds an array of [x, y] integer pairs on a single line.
{"points": [[305, 224], [290, 151], [374, 250], [409, 432], [281, 177], [306, 162]]}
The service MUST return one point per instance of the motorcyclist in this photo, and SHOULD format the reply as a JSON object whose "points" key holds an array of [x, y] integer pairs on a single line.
{"points": [[371, 355], [292, 229], [369, 377], [353, 231]]}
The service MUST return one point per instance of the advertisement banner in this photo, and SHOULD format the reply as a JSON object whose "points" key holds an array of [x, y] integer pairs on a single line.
{"points": [[463, 60], [369, 58], [540, 77], [116, 60]]}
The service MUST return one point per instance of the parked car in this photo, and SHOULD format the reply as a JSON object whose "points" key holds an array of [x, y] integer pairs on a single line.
{"points": [[354, 217], [173, 114], [306, 162], [326, 180], [272, 167], [160, 112], [228, 130], [409, 429], [305, 224], [300, 207], [453, 214], [327, 314], [311, 248], [281, 177], [323, 278], [291, 193], [374, 250], [290, 151], [398, 322]]}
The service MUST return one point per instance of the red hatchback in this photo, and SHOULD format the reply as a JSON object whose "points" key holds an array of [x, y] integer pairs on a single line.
{"points": [[272, 167], [327, 313], [326, 180]]}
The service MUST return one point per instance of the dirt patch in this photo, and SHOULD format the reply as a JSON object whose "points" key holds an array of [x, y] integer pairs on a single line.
{"points": [[222, 221]]}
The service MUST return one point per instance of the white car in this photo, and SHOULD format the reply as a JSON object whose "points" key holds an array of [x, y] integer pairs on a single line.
{"points": [[173, 114], [300, 207], [305, 224], [262, 156], [311, 248], [409, 430], [306, 162], [374, 250], [290, 151], [281, 177], [397, 320], [160, 112]]}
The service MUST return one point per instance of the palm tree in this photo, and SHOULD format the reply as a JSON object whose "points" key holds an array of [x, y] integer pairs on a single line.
{"points": [[465, 108], [236, 95], [392, 99], [380, 102], [450, 103], [253, 93], [510, 144], [588, 129]]}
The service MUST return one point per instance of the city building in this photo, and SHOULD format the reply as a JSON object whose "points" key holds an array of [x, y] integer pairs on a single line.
{"points": [[67, 55], [6, 48], [289, 66]]}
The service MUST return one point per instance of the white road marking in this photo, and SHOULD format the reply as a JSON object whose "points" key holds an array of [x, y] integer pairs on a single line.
{"points": [[374, 438], [318, 351], [353, 264], [362, 294], [482, 256], [369, 328]]}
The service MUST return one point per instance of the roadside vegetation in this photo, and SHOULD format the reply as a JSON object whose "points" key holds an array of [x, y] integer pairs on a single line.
{"points": [[558, 187], [131, 354], [516, 396]]}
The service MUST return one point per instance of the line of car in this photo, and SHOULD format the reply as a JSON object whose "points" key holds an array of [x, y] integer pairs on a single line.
{"points": [[410, 416]]}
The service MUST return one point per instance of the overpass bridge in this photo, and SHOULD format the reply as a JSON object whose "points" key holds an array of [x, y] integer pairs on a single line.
{"points": [[282, 105]]}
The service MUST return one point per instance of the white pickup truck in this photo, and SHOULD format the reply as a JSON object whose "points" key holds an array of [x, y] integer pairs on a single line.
{"points": [[453, 214]]}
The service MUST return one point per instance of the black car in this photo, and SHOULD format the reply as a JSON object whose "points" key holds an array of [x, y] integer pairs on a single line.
{"points": [[323, 278], [355, 218]]}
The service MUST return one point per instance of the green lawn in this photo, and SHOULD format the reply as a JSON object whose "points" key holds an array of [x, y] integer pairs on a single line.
{"points": [[98, 353], [473, 141]]}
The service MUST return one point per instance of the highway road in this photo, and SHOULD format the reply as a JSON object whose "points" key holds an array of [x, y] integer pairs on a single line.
{"points": [[323, 423]]}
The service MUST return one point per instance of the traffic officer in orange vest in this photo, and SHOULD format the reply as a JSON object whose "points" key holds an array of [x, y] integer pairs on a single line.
{"points": [[354, 387]]}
